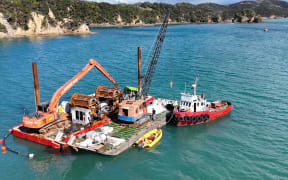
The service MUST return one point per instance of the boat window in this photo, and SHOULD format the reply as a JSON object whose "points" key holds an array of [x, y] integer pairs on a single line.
{"points": [[81, 115], [189, 104], [125, 112], [197, 104], [201, 103], [77, 115]]}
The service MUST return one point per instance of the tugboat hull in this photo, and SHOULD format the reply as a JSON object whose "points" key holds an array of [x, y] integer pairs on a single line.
{"points": [[216, 110]]}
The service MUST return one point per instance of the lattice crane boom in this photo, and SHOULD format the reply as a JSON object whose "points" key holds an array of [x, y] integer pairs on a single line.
{"points": [[145, 85]]}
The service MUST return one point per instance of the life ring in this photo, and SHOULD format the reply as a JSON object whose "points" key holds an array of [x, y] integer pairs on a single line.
{"points": [[194, 120], [186, 118]]}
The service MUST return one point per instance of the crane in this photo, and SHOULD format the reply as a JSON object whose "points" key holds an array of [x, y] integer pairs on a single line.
{"points": [[48, 115], [145, 85], [134, 111]]}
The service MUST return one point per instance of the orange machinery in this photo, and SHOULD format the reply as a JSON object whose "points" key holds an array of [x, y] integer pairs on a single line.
{"points": [[104, 95], [47, 115]]}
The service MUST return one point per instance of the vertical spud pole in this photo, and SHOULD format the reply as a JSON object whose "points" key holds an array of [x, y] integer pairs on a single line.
{"points": [[139, 71], [36, 84]]}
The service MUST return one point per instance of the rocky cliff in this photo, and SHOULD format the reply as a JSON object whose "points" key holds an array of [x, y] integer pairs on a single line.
{"points": [[39, 25]]}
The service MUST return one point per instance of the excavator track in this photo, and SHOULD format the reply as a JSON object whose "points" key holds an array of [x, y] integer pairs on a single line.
{"points": [[54, 126]]}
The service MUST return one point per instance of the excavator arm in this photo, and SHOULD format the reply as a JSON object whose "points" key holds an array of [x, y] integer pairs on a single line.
{"points": [[63, 89]]}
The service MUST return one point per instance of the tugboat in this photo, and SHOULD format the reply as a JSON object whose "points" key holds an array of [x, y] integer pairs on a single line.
{"points": [[194, 109]]}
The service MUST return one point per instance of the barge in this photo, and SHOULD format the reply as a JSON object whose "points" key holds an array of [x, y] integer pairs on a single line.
{"points": [[106, 137]]}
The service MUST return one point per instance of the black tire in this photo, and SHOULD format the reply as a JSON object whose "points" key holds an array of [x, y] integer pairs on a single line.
{"points": [[190, 119], [203, 117], [180, 118], [186, 118], [198, 118], [194, 119], [207, 117]]}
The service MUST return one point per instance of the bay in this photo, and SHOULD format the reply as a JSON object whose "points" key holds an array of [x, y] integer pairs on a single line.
{"points": [[236, 62]]}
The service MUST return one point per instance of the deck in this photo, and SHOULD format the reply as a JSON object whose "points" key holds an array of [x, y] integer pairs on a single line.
{"points": [[130, 135]]}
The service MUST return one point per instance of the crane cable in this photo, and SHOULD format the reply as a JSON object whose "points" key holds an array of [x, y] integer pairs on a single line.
{"points": [[171, 62]]}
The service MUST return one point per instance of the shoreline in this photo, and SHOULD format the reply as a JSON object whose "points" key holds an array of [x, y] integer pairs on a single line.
{"points": [[107, 25], [6, 36]]}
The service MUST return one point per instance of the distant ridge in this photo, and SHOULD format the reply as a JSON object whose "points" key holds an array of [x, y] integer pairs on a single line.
{"points": [[32, 17]]}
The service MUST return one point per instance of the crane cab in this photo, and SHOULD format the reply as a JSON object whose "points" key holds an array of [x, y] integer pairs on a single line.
{"points": [[130, 92]]}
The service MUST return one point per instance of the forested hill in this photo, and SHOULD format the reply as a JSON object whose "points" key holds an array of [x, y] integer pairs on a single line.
{"points": [[72, 13]]}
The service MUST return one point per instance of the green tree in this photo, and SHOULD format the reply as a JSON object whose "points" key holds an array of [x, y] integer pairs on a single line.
{"points": [[249, 13], [3, 28], [215, 18]]}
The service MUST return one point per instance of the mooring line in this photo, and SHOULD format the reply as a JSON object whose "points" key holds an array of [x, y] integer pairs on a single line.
{"points": [[5, 147]]}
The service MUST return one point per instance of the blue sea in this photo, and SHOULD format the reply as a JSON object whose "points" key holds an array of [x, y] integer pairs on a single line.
{"points": [[235, 62]]}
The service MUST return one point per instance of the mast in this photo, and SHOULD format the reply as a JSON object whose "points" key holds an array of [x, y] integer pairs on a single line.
{"points": [[139, 68], [194, 86]]}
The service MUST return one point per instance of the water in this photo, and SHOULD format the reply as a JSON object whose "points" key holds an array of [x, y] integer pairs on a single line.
{"points": [[236, 62]]}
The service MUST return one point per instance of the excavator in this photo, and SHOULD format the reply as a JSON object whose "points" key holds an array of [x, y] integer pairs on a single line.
{"points": [[46, 117]]}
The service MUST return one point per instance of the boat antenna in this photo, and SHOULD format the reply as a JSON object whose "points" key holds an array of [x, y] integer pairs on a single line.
{"points": [[194, 86], [185, 87]]}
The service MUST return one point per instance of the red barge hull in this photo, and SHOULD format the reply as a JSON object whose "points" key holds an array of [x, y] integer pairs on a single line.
{"points": [[19, 131], [191, 118]]}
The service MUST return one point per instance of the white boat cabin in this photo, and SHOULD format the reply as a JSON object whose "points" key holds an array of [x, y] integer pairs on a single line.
{"points": [[193, 102]]}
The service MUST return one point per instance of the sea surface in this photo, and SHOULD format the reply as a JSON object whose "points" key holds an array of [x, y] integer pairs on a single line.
{"points": [[235, 62]]}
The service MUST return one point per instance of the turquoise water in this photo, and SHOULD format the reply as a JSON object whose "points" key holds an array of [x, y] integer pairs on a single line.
{"points": [[236, 62]]}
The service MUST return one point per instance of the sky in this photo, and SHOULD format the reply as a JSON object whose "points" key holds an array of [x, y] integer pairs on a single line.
{"points": [[169, 1]]}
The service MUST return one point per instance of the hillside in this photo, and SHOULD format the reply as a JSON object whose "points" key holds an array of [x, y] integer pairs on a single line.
{"points": [[34, 17]]}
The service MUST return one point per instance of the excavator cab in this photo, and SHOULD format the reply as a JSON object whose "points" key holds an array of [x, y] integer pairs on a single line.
{"points": [[43, 106]]}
